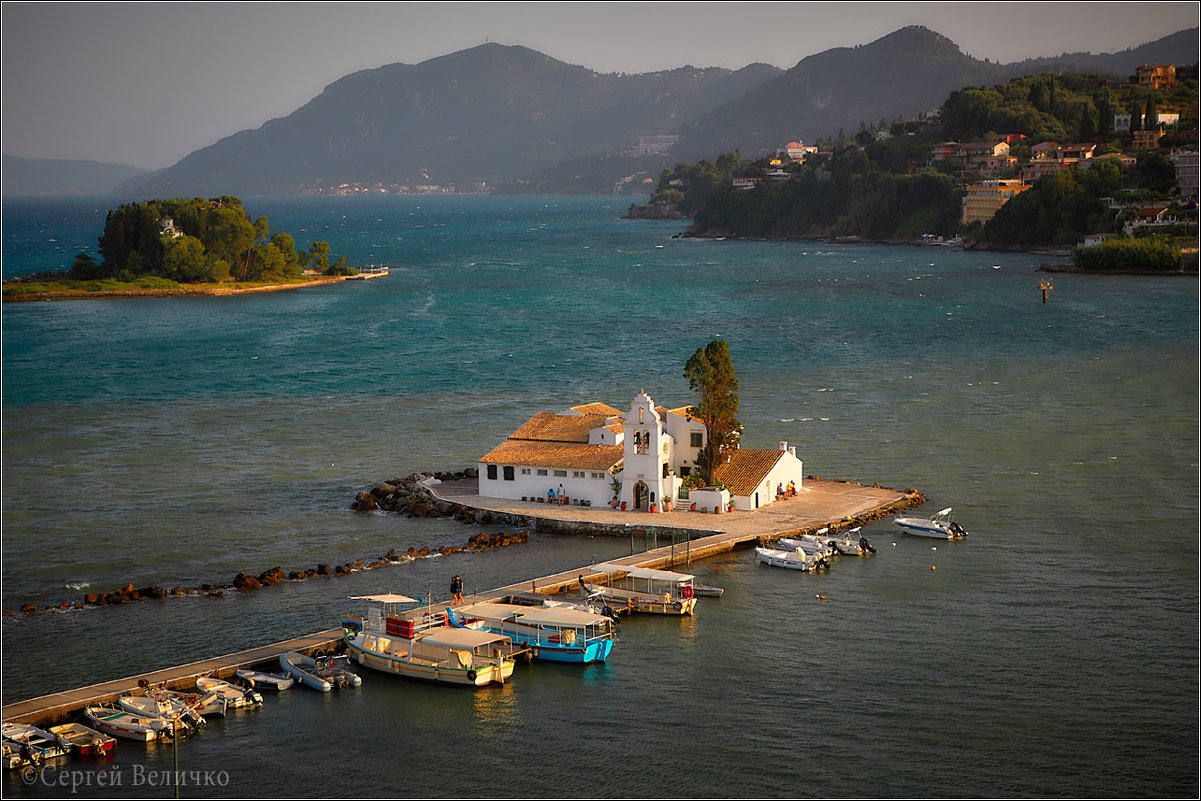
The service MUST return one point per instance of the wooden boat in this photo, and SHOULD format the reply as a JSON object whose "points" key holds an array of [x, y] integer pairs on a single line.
{"points": [[119, 723], [321, 673], [35, 745], [555, 633], [426, 648], [202, 703], [83, 741], [158, 705], [235, 697], [271, 681], [939, 526], [641, 589]]}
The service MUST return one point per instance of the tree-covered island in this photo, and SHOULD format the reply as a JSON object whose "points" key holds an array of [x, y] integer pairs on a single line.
{"points": [[185, 246], [1087, 157]]}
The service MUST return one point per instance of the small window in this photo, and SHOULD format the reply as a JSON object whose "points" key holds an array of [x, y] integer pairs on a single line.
{"points": [[696, 439], [577, 474], [541, 471], [492, 472], [508, 473], [598, 475], [685, 471], [561, 473]]}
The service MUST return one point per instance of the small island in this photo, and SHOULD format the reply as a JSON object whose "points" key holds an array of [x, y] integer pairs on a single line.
{"points": [[185, 246]]}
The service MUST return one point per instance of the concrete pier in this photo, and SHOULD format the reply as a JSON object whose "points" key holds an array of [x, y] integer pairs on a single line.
{"points": [[693, 535]]}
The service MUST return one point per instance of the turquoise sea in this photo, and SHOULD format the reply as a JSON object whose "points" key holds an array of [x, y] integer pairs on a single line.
{"points": [[1054, 653]]}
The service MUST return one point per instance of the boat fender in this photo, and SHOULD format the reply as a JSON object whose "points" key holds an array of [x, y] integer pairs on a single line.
{"points": [[471, 675], [677, 606]]}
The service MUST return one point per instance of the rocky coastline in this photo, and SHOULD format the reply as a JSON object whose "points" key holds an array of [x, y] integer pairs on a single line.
{"points": [[406, 495], [183, 291]]}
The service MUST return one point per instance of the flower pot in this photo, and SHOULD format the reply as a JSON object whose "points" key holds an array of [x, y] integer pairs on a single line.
{"points": [[623, 506]]}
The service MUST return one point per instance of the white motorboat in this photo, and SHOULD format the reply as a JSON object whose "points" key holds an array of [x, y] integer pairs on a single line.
{"points": [[642, 589], [938, 526], [850, 544], [202, 703], [84, 741], [816, 545], [158, 704], [271, 681], [425, 647], [34, 744], [119, 723], [321, 673], [793, 560], [235, 697]]}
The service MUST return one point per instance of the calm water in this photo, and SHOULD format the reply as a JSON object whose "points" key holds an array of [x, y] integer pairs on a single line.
{"points": [[178, 442]]}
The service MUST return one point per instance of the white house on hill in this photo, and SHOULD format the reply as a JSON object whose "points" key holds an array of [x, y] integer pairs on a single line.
{"points": [[577, 454]]}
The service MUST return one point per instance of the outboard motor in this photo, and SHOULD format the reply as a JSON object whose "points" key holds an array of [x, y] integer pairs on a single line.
{"points": [[608, 612], [958, 530], [865, 545]]}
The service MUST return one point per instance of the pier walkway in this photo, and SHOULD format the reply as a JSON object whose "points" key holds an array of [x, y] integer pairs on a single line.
{"points": [[693, 535]]}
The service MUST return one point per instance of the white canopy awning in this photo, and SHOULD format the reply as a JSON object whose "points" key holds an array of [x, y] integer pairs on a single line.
{"points": [[461, 638], [386, 598], [643, 572], [561, 616]]}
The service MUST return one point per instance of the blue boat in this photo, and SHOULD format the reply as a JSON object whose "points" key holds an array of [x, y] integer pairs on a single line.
{"points": [[554, 633]]}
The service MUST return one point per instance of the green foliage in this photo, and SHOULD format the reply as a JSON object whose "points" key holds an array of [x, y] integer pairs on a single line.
{"points": [[214, 240], [1058, 210], [710, 374], [1152, 254]]}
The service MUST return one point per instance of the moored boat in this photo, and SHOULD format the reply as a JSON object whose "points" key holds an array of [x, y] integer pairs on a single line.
{"points": [[34, 744], [816, 545], [793, 560], [234, 697], [158, 705], [937, 526], [119, 723], [554, 633], [322, 673], [271, 681], [84, 741], [426, 648], [642, 589]]}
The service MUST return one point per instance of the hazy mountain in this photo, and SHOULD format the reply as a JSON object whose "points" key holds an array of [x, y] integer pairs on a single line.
{"points": [[903, 74], [491, 113], [518, 119], [62, 176]]}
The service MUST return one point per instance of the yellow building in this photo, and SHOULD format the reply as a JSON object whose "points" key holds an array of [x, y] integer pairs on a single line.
{"points": [[983, 199]]}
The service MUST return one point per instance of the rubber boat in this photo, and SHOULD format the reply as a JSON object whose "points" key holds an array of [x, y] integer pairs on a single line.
{"points": [[553, 633], [322, 673], [641, 589], [84, 741], [119, 723], [271, 681], [793, 560], [938, 526], [425, 647]]}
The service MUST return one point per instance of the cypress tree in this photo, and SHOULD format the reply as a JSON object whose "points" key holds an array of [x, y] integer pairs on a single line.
{"points": [[710, 374]]}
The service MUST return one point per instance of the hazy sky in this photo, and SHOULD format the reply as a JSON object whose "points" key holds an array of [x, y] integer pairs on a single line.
{"points": [[147, 83]]}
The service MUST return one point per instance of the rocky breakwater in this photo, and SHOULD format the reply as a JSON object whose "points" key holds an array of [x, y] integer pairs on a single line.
{"points": [[405, 495]]}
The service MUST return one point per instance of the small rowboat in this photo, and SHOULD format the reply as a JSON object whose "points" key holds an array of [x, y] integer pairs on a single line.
{"points": [[257, 678], [235, 697], [34, 744], [119, 723], [83, 741]]}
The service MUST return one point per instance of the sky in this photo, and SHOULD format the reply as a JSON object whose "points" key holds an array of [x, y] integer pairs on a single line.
{"points": [[147, 83]]}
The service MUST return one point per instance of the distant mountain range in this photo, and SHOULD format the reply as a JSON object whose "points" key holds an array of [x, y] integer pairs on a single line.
{"points": [[511, 118], [62, 176]]}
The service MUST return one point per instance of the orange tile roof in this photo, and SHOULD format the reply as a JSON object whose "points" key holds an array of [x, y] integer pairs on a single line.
{"points": [[551, 427], [580, 456], [596, 408], [747, 469]]}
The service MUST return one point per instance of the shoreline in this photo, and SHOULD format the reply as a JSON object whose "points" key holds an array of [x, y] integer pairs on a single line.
{"points": [[168, 293]]}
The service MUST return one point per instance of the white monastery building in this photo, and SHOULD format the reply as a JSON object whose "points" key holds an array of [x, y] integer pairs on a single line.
{"points": [[596, 455]]}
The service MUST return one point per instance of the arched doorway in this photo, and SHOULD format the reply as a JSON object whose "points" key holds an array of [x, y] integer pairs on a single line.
{"points": [[640, 495]]}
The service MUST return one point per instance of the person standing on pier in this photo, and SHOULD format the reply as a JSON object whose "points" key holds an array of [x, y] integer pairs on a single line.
{"points": [[456, 590]]}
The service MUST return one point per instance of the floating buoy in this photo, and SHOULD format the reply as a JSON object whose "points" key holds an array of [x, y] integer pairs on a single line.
{"points": [[820, 597], [934, 547], [932, 567]]}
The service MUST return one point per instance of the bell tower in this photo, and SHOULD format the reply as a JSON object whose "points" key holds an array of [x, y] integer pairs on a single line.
{"points": [[641, 476]]}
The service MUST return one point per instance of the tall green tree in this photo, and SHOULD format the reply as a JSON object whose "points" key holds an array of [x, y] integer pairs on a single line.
{"points": [[710, 374]]}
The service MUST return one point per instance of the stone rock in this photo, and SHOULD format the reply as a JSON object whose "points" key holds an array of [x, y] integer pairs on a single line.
{"points": [[30, 609], [245, 581], [177, 591], [272, 577], [92, 598], [324, 570], [391, 555]]}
